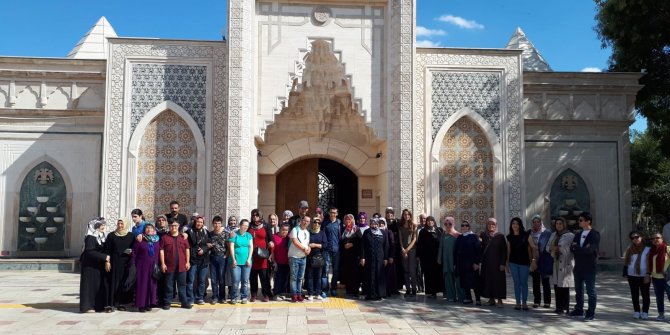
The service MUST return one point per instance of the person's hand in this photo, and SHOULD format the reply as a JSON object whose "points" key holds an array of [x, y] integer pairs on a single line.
{"points": [[307, 251], [138, 238], [164, 268], [188, 265], [504, 268], [248, 263], [404, 255], [391, 260], [348, 245], [533, 265], [108, 266], [647, 279], [210, 246], [362, 261], [385, 262], [234, 263], [475, 267], [184, 235], [271, 245]]}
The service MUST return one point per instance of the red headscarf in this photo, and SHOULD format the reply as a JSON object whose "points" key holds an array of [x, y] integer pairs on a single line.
{"points": [[659, 252]]}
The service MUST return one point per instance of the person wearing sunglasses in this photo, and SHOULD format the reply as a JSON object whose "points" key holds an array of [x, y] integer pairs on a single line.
{"points": [[658, 261], [635, 270], [585, 247]]}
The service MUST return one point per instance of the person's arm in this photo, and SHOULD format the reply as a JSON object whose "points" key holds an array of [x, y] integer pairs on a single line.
{"points": [[231, 248], [413, 241], [251, 247], [162, 259], [188, 258]]}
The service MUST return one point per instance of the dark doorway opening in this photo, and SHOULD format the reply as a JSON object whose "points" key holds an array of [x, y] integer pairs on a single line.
{"points": [[322, 182]]}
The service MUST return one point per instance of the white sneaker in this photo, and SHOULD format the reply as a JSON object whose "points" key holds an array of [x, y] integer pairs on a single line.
{"points": [[660, 317], [636, 315], [318, 297], [644, 316], [309, 297]]}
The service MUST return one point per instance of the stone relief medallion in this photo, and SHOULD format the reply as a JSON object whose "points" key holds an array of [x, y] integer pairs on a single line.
{"points": [[321, 15]]}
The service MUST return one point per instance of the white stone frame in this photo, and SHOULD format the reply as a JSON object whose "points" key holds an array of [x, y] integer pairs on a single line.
{"points": [[509, 64], [134, 144], [433, 174]]}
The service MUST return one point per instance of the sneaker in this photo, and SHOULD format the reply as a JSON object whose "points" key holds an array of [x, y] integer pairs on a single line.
{"points": [[166, 307], [187, 306], [333, 293], [319, 297], [200, 302], [300, 298], [309, 298], [244, 301], [324, 295], [253, 298], [660, 317], [233, 302], [589, 317], [644, 316], [266, 298], [636, 315]]}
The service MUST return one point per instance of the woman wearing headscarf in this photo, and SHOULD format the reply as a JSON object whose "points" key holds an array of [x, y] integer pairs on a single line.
{"points": [[362, 221], [145, 257], [445, 257], [93, 285], [561, 277], [468, 257], [350, 241], [427, 250], [658, 261], [119, 246], [494, 263], [373, 258], [635, 270], [389, 267]]}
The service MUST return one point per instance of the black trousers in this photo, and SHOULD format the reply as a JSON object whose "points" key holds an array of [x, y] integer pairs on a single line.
{"points": [[637, 287], [546, 288], [264, 276], [562, 298]]}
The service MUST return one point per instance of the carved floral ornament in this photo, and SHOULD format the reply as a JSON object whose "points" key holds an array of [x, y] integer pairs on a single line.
{"points": [[322, 105], [321, 15]]}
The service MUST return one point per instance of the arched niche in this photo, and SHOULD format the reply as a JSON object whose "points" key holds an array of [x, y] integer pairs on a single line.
{"points": [[42, 211], [569, 197]]}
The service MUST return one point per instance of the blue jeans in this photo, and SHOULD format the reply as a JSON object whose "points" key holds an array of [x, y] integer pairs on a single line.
{"points": [[314, 280], [195, 290], [660, 287], [281, 279], [588, 279], [332, 259], [240, 275], [297, 266], [217, 275], [520, 278], [181, 288]]}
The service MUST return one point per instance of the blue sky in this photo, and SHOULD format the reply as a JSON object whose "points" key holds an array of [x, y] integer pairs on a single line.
{"points": [[561, 30]]}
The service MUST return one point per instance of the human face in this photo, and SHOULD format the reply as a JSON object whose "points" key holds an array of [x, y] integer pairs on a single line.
{"points": [[491, 226], [407, 215], [149, 230], [136, 219], [390, 216], [101, 228], [422, 219], [217, 225], [161, 222], [333, 214], [537, 224], [199, 222], [255, 217], [515, 227], [286, 217], [374, 224], [430, 223], [174, 228], [560, 225], [636, 239], [316, 224], [120, 225], [174, 208], [361, 220], [584, 224], [244, 227], [304, 223], [283, 232], [465, 227], [658, 239], [303, 211], [348, 221], [274, 220], [232, 221]]}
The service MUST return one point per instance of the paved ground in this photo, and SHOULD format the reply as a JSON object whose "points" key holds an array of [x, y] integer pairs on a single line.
{"points": [[42, 302]]}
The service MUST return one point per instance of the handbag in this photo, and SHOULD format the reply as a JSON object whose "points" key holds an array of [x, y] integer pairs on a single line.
{"points": [[156, 272], [262, 253], [317, 261]]}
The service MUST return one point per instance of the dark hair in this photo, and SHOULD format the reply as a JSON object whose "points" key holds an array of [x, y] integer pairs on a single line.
{"points": [[586, 216], [431, 218], [332, 208], [285, 224], [217, 218], [242, 222], [174, 202], [518, 221], [137, 212], [256, 211], [634, 232]]}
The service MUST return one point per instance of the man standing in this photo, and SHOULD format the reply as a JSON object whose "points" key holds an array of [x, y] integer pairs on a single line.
{"points": [[331, 226], [174, 258], [303, 208], [197, 275], [176, 216], [297, 257], [585, 247]]}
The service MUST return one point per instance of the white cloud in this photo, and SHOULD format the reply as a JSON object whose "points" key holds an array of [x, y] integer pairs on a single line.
{"points": [[427, 44], [423, 31], [461, 22], [591, 69]]}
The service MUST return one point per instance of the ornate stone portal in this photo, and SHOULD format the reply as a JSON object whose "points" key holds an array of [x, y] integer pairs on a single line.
{"points": [[322, 105]]}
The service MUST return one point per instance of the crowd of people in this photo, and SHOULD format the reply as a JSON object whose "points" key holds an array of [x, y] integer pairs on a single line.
{"points": [[302, 257]]}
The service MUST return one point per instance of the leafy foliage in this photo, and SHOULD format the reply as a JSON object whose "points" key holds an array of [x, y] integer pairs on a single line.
{"points": [[650, 174], [639, 35]]}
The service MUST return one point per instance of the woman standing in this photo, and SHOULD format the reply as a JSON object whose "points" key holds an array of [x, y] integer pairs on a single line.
{"points": [[119, 248], [407, 237], [138, 221], [635, 269], [561, 277], [280, 259], [93, 285], [428, 247], [374, 255], [494, 263], [350, 241], [145, 257], [468, 257], [658, 262], [240, 247], [521, 261], [315, 261], [262, 246], [445, 257], [217, 260]]}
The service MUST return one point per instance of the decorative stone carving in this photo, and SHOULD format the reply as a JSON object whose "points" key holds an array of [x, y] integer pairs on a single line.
{"points": [[321, 15], [184, 85], [322, 105]]}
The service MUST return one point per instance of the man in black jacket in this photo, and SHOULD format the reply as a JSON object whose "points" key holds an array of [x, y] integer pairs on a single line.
{"points": [[197, 274], [585, 247]]}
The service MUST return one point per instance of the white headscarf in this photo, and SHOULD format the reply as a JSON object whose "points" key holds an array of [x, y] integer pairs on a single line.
{"points": [[92, 229]]}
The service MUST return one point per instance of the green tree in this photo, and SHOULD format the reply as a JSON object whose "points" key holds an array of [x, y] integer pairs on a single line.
{"points": [[638, 31], [650, 175]]}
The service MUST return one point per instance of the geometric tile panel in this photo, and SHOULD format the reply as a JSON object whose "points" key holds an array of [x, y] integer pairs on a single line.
{"points": [[466, 174], [166, 168], [453, 91], [184, 85]]}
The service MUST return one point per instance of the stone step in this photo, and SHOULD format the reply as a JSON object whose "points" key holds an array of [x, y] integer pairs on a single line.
{"points": [[39, 264]]}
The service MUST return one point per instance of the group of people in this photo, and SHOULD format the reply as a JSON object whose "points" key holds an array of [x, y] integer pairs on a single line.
{"points": [[301, 257]]}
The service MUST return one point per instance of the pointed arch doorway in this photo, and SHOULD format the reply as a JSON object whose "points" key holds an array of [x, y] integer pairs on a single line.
{"points": [[322, 182]]}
